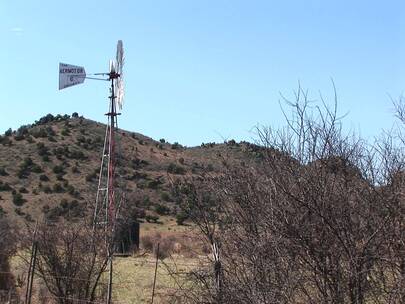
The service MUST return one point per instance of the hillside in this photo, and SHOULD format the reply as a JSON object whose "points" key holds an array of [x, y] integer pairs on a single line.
{"points": [[49, 170]]}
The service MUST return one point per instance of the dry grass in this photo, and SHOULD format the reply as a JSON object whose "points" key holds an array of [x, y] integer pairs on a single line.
{"points": [[133, 278]]}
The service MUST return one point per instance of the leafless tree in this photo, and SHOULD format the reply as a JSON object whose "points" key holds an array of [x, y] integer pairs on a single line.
{"points": [[320, 220], [71, 261]]}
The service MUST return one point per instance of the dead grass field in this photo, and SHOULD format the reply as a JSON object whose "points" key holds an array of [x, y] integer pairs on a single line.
{"points": [[133, 276]]}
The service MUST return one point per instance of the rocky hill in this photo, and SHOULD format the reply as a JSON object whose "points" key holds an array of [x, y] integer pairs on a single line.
{"points": [[49, 170]]}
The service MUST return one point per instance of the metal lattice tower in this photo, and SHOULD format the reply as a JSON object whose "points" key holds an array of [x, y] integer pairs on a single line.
{"points": [[105, 210]]}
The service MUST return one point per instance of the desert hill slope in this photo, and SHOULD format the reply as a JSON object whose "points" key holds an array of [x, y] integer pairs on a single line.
{"points": [[49, 170]]}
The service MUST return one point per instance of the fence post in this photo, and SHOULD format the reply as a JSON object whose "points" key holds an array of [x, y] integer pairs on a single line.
{"points": [[156, 266], [31, 269]]}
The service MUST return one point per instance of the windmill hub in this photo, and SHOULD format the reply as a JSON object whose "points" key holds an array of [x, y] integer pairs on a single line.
{"points": [[113, 75]]}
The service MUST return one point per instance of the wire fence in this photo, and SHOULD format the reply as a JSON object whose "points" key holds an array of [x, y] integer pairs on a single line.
{"points": [[136, 284]]}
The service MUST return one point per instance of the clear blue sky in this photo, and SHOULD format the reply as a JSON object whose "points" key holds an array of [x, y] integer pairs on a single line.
{"points": [[197, 71]]}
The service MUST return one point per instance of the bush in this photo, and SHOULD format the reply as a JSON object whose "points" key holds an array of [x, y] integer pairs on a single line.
{"points": [[146, 201], [3, 172], [75, 115], [43, 178], [162, 140], [5, 187], [165, 197], [153, 184], [65, 132], [45, 119], [175, 169], [42, 149], [9, 132], [36, 169], [57, 188], [58, 169], [26, 167], [23, 190], [47, 189], [39, 133], [181, 218], [29, 139], [19, 212], [21, 132], [210, 167], [176, 146], [150, 244], [147, 243], [161, 209], [66, 209], [165, 248], [18, 199]]}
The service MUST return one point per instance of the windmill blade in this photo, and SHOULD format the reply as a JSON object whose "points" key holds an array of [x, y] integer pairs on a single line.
{"points": [[112, 67], [119, 84], [120, 80], [119, 56]]}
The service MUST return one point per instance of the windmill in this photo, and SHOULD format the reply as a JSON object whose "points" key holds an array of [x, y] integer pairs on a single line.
{"points": [[107, 202]]}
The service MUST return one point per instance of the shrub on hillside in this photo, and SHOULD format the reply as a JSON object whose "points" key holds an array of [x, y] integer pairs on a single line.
{"points": [[45, 119], [5, 187], [153, 184], [3, 172], [47, 189], [161, 209], [176, 146], [8, 132], [43, 178], [57, 188], [21, 132], [181, 218], [65, 132], [69, 210], [23, 190], [165, 197], [42, 149], [175, 169], [26, 167], [18, 199], [58, 169]]}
